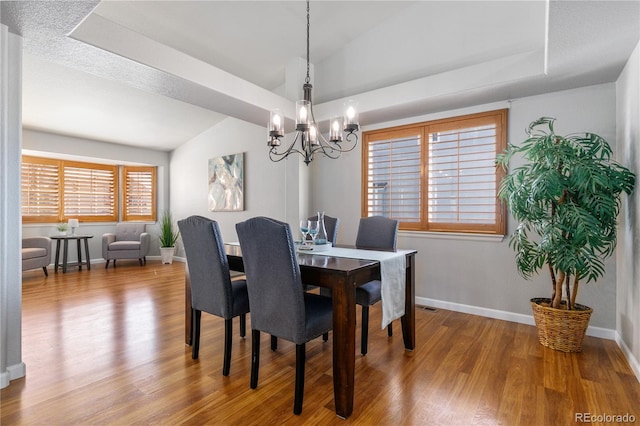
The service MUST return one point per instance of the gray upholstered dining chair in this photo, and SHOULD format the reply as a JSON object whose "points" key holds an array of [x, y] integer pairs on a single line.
{"points": [[279, 305], [212, 289], [331, 225], [374, 233]]}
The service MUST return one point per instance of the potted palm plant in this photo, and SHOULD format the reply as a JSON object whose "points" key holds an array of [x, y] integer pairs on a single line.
{"points": [[566, 197], [168, 237]]}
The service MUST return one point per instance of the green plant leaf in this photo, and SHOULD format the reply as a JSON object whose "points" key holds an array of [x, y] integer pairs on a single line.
{"points": [[168, 234]]}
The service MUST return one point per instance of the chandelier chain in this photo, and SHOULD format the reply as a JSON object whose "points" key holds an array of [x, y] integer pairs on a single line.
{"points": [[307, 79]]}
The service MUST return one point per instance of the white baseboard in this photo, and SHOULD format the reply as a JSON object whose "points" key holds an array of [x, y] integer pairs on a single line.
{"points": [[603, 333], [175, 258], [633, 362], [101, 260], [13, 372], [17, 371]]}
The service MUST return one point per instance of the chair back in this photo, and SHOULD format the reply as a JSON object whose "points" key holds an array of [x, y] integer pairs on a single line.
{"points": [[208, 266], [377, 232], [276, 295], [331, 225], [129, 231]]}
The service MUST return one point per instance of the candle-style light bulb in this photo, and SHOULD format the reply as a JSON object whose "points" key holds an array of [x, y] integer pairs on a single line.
{"points": [[313, 135], [351, 117], [351, 113], [303, 112], [276, 127], [335, 130]]}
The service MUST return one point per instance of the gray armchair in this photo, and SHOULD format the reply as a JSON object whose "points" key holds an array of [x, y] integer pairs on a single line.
{"points": [[130, 241], [279, 305], [36, 253]]}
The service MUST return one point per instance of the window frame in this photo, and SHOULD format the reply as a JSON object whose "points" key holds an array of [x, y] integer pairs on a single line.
{"points": [[58, 190], [125, 192], [116, 194], [423, 130], [113, 169]]}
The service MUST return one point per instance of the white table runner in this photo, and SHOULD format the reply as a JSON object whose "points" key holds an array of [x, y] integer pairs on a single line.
{"points": [[392, 276]]}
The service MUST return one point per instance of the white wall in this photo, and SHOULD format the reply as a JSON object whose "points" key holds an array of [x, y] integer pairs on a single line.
{"points": [[628, 266], [11, 365], [270, 189], [79, 149], [472, 273]]}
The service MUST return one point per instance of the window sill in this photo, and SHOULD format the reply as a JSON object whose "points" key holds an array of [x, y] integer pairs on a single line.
{"points": [[452, 236], [53, 224]]}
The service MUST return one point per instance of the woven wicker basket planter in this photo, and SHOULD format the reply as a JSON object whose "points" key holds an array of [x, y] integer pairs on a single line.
{"points": [[560, 329]]}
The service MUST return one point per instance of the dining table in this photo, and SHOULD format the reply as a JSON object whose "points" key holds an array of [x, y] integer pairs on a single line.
{"points": [[342, 275]]}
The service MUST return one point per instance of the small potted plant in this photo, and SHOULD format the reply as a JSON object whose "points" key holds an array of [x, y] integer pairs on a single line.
{"points": [[62, 228], [566, 197], [168, 237]]}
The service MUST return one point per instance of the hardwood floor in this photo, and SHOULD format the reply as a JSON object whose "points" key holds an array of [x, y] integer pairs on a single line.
{"points": [[107, 347]]}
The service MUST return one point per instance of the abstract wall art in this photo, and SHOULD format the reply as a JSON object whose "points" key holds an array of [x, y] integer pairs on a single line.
{"points": [[226, 183]]}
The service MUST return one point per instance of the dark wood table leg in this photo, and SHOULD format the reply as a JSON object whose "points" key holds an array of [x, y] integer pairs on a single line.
{"points": [[79, 254], [344, 346], [409, 318], [64, 256], [57, 256], [86, 253]]}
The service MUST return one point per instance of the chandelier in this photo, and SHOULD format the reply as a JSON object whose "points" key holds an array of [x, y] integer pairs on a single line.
{"points": [[308, 140]]}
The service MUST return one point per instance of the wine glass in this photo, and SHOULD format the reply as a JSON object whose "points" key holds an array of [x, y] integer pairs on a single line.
{"points": [[313, 229], [304, 229]]}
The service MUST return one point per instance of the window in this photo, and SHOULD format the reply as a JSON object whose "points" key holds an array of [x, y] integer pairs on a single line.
{"points": [[56, 190], [138, 193], [40, 188], [89, 191], [438, 175]]}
